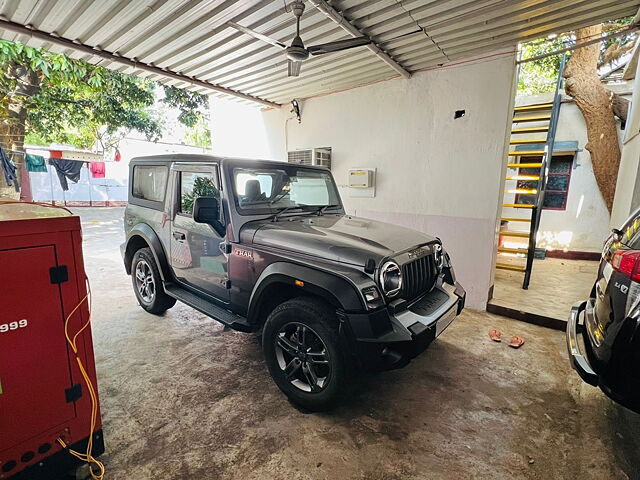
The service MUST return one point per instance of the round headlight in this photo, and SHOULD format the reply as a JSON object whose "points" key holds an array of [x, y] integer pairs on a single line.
{"points": [[390, 279]]}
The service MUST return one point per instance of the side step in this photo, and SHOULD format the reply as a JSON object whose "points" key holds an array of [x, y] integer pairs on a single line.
{"points": [[507, 266], [208, 308]]}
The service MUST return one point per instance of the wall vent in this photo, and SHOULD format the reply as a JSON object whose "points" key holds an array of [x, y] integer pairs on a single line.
{"points": [[317, 157]]}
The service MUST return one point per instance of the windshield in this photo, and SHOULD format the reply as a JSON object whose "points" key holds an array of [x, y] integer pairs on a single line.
{"points": [[268, 190]]}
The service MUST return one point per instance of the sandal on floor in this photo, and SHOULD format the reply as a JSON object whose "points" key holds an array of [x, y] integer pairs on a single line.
{"points": [[495, 335], [516, 342]]}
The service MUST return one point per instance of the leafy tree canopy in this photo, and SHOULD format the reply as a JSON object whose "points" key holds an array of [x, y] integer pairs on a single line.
{"points": [[72, 101], [539, 76]]}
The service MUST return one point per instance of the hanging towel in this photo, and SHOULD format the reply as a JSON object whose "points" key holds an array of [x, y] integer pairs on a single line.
{"points": [[55, 154], [97, 169], [9, 170], [35, 163], [66, 169]]}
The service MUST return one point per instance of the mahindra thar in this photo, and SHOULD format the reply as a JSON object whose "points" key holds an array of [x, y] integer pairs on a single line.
{"points": [[264, 246]]}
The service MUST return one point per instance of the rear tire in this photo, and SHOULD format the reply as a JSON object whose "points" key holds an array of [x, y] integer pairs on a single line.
{"points": [[303, 353], [147, 283]]}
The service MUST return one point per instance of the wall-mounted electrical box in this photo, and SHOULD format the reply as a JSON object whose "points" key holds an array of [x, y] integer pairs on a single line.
{"points": [[362, 182], [361, 178]]}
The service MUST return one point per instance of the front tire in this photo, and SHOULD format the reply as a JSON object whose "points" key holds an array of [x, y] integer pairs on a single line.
{"points": [[303, 353], [147, 283]]}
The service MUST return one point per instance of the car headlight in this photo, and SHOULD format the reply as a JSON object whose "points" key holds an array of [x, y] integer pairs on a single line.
{"points": [[390, 279]]}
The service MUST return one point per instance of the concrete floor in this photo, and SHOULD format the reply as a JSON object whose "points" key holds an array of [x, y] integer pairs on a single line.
{"points": [[183, 399], [556, 284]]}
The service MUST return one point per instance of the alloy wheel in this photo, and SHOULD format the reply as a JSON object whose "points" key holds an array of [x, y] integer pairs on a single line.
{"points": [[303, 357], [144, 281]]}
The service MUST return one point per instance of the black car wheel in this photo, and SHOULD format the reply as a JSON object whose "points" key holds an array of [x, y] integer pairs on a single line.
{"points": [[147, 283], [303, 353]]}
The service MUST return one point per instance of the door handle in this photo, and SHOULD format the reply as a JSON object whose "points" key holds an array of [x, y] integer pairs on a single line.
{"points": [[179, 236]]}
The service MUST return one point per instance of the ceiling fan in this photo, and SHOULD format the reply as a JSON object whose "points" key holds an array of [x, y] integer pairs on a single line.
{"points": [[296, 52]]}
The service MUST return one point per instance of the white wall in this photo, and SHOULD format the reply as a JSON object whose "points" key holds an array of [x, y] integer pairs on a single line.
{"points": [[434, 173], [584, 225], [627, 197], [245, 131]]}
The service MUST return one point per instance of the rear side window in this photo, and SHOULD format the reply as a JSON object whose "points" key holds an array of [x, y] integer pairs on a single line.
{"points": [[149, 182]]}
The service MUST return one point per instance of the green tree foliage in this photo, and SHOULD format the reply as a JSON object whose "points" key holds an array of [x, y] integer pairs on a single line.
{"points": [[539, 76], [71, 101], [199, 135]]}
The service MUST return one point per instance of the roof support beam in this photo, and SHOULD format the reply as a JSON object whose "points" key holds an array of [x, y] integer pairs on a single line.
{"points": [[336, 17], [131, 62]]}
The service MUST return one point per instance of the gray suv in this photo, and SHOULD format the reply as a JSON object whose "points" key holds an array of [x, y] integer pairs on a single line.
{"points": [[267, 246]]}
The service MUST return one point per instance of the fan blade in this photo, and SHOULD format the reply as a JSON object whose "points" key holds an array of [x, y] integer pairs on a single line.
{"points": [[339, 45], [257, 35], [294, 68]]}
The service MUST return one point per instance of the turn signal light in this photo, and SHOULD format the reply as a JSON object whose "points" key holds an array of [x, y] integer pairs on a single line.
{"points": [[627, 262]]}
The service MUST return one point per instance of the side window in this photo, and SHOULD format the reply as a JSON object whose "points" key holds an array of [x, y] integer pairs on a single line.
{"points": [[557, 191], [194, 185], [149, 182]]}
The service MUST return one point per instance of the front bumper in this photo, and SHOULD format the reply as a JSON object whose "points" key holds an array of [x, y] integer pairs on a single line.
{"points": [[579, 362], [386, 339]]}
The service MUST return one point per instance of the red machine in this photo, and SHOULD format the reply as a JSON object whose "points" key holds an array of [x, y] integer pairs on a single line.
{"points": [[45, 401]]}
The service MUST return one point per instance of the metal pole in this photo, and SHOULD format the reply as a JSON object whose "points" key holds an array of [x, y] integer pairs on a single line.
{"points": [[49, 170], [89, 179]]}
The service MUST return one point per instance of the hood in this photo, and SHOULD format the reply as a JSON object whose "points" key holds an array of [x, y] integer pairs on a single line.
{"points": [[341, 238]]}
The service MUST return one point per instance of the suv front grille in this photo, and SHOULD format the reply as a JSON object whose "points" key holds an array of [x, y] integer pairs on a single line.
{"points": [[418, 277]]}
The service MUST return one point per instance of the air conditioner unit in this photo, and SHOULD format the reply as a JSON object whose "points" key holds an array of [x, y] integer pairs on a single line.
{"points": [[317, 157]]}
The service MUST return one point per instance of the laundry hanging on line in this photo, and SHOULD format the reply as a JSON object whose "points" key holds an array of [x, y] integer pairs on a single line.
{"points": [[9, 170], [35, 163], [97, 169], [66, 169]]}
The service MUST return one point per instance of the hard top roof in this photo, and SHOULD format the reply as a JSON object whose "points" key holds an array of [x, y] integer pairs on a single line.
{"points": [[204, 158]]}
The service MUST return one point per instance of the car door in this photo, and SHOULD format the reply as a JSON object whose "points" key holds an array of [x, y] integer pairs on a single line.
{"points": [[197, 255]]}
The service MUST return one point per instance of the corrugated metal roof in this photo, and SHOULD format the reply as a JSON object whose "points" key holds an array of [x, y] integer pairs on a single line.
{"points": [[191, 38]]}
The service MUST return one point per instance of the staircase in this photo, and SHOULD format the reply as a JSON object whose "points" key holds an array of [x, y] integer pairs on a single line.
{"points": [[544, 118]]}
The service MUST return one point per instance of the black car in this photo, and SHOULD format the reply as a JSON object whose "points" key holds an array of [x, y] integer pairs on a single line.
{"points": [[267, 246], [609, 321]]}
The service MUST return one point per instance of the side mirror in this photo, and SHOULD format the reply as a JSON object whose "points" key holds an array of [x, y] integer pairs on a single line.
{"points": [[206, 210], [617, 234]]}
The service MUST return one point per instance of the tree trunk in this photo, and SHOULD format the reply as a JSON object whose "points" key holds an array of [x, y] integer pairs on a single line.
{"points": [[13, 116], [596, 105]]}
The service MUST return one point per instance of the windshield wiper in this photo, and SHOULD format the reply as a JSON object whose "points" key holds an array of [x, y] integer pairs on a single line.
{"points": [[284, 210], [324, 208]]}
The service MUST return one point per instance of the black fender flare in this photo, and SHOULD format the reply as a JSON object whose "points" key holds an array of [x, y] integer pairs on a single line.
{"points": [[336, 290], [144, 231]]}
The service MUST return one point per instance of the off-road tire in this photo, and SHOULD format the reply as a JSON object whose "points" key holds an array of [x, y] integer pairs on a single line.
{"points": [[322, 322], [159, 302]]}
